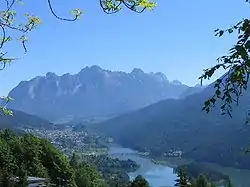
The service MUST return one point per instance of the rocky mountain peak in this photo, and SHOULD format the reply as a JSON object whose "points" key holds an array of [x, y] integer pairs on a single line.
{"points": [[137, 71], [50, 75], [92, 92], [176, 82]]}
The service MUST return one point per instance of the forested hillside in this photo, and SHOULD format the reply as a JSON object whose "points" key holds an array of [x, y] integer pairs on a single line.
{"points": [[182, 125]]}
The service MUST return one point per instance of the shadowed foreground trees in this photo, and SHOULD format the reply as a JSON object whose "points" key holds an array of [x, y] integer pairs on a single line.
{"points": [[183, 180], [22, 156], [27, 155], [139, 181]]}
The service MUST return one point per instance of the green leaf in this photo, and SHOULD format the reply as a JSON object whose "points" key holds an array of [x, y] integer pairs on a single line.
{"points": [[230, 30], [220, 33], [77, 12], [218, 93]]}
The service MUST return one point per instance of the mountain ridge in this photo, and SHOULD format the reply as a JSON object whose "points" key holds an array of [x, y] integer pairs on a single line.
{"points": [[92, 92]]}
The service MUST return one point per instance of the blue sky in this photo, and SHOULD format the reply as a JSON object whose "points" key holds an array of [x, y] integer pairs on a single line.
{"points": [[176, 38]]}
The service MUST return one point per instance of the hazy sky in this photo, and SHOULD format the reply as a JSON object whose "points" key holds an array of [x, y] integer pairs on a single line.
{"points": [[176, 38]]}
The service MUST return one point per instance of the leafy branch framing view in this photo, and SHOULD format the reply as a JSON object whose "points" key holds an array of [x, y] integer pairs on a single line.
{"points": [[234, 82]]}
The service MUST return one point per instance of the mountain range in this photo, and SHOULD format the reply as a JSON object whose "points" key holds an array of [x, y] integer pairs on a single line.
{"points": [[93, 93]]}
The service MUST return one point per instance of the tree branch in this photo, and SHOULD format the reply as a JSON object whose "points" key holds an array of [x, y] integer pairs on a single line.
{"points": [[58, 17]]}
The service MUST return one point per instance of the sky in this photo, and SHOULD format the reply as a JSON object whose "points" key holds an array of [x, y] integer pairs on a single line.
{"points": [[177, 38]]}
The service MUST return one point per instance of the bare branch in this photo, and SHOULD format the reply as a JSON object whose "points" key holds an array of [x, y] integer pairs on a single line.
{"points": [[3, 67], [9, 5], [3, 38], [60, 18]]}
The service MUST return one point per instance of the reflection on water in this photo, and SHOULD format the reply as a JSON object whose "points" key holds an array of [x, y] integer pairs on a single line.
{"points": [[156, 175]]}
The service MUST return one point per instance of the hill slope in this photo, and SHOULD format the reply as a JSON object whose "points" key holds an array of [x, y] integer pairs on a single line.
{"points": [[180, 124], [21, 120], [92, 93]]}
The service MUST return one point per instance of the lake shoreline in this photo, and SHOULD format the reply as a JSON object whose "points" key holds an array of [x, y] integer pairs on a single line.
{"points": [[239, 177], [156, 174]]}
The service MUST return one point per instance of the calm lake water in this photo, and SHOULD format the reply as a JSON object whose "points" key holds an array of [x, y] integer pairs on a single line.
{"points": [[156, 175], [162, 176]]}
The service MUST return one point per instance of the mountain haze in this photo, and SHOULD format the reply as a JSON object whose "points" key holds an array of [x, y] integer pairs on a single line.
{"points": [[93, 92]]}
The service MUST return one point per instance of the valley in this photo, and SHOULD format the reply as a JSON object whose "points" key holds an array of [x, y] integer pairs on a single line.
{"points": [[92, 149], [178, 124], [154, 93], [159, 172], [173, 124]]}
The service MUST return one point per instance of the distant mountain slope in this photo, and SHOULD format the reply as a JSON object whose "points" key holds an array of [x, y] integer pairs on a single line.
{"points": [[93, 92], [21, 120], [180, 124], [191, 91]]}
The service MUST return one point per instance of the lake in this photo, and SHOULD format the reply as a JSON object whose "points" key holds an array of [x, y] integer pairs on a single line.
{"points": [[156, 175], [162, 175]]}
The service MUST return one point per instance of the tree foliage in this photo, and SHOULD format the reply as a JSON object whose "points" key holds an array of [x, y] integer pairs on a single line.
{"points": [[234, 82], [113, 6], [28, 155], [88, 176], [183, 180], [139, 181], [201, 181], [113, 171], [22, 156]]}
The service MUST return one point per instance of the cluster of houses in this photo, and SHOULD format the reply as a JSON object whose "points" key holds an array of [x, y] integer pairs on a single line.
{"points": [[173, 153]]}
